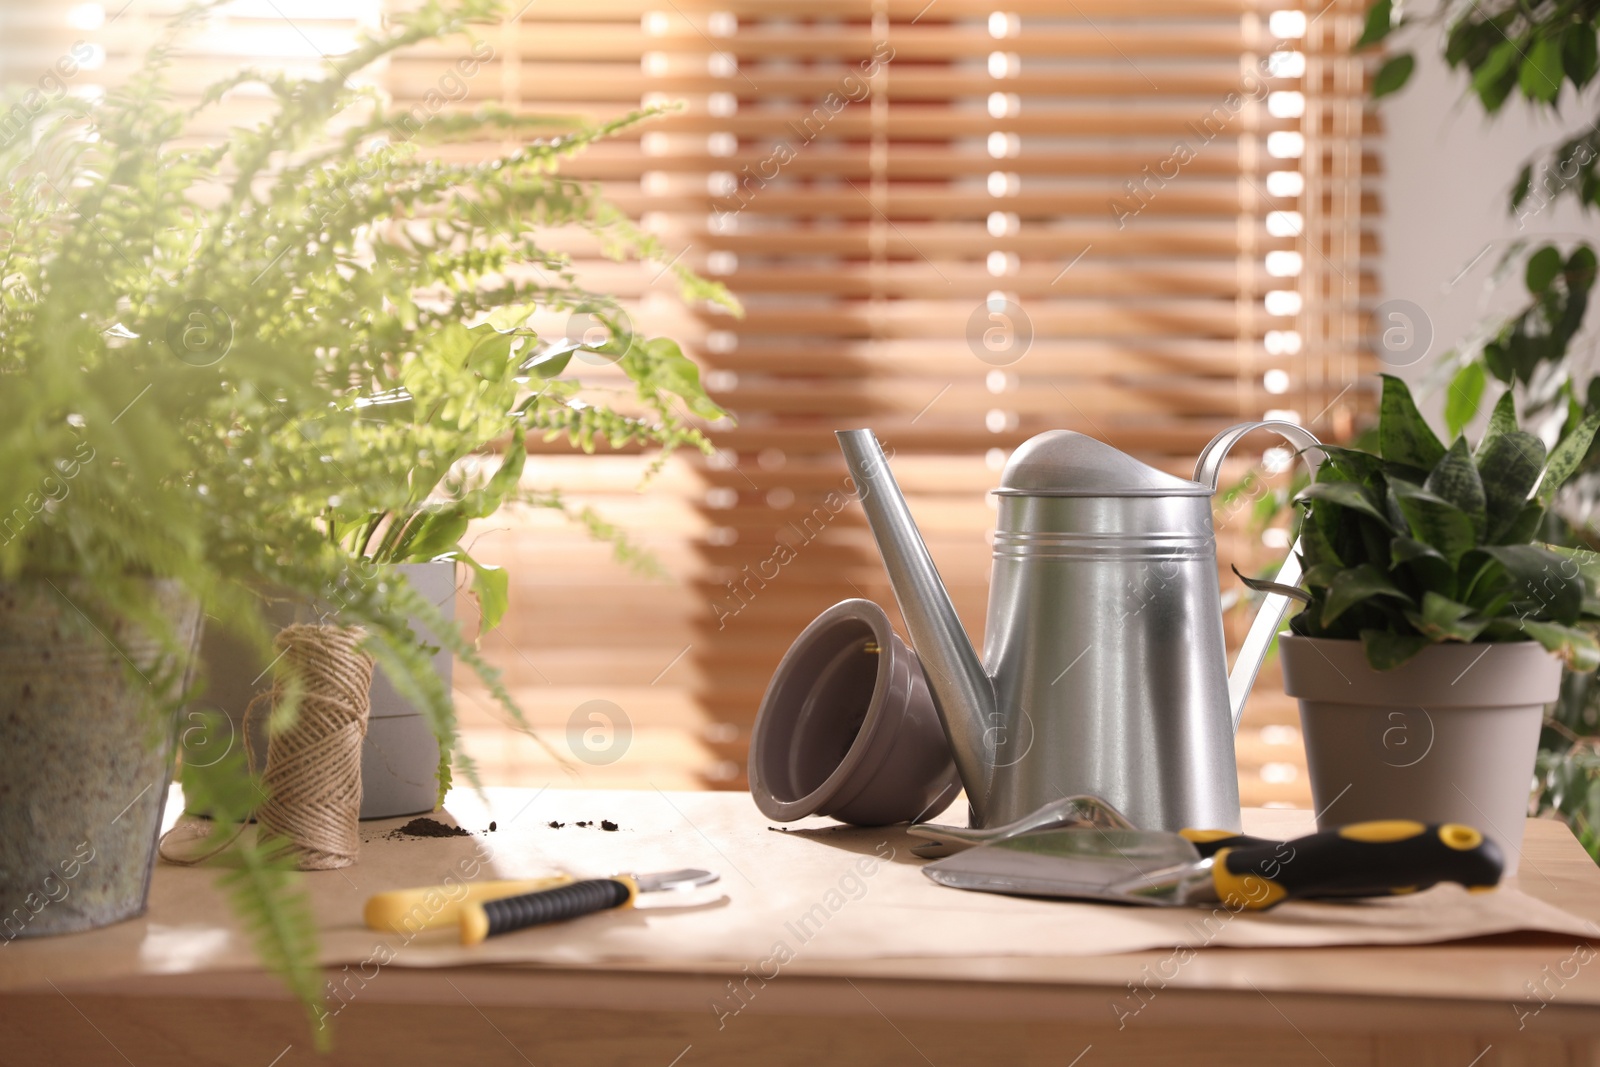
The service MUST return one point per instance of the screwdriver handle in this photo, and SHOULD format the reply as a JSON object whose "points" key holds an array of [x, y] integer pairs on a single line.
{"points": [[1385, 858], [482, 919], [407, 911]]}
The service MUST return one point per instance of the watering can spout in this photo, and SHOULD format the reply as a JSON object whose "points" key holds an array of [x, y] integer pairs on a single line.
{"points": [[962, 691]]}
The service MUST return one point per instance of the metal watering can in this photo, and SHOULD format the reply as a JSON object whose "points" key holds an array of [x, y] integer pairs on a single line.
{"points": [[1104, 667]]}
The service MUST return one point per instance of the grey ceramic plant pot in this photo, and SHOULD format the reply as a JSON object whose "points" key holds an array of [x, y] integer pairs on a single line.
{"points": [[85, 755], [400, 756], [1449, 736], [847, 727]]}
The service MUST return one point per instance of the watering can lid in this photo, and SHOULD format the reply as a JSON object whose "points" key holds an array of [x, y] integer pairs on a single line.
{"points": [[1067, 463]]}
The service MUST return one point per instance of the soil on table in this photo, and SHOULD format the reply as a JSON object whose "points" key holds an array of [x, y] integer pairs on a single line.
{"points": [[426, 827]]}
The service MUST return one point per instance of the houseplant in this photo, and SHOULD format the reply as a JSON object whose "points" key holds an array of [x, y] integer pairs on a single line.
{"points": [[1434, 628], [191, 339], [1544, 56]]}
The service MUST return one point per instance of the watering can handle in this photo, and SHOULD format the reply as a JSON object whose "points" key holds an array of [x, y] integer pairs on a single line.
{"points": [[1208, 468]]}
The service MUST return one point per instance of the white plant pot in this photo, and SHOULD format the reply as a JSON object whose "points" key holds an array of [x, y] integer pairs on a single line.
{"points": [[400, 756], [1450, 736]]}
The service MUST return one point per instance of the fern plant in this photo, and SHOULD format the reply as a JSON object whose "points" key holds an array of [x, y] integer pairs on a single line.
{"points": [[280, 351]]}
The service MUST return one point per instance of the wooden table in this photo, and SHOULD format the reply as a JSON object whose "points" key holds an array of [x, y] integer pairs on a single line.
{"points": [[1510, 999]]}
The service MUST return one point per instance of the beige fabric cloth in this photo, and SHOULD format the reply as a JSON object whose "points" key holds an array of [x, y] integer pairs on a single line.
{"points": [[817, 891]]}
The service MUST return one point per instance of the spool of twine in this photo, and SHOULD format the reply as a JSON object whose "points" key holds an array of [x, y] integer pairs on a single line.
{"points": [[313, 773]]}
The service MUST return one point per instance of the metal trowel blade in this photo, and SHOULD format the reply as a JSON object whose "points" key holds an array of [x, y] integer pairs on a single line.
{"points": [[1077, 864]]}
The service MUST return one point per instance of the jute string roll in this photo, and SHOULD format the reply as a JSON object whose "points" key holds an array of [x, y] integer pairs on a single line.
{"points": [[313, 775]]}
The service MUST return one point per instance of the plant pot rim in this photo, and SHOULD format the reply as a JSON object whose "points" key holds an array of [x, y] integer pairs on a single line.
{"points": [[1484, 674], [842, 782]]}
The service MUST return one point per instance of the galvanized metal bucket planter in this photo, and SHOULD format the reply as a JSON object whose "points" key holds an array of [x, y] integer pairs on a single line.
{"points": [[85, 755]]}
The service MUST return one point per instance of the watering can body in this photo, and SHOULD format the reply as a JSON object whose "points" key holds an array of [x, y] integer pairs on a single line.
{"points": [[1104, 669]]}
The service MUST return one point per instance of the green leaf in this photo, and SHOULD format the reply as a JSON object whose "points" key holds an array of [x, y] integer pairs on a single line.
{"points": [[1522, 186], [1579, 57], [435, 534], [1509, 467], [1345, 495], [1576, 648], [1543, 583], [510, 317], [1543, 267], [1523, 528], [1263, 585], [1315, 548], [1424, 562], [1443, 619], [1502, 420], [1495, 77], [1566, 456], [1386, 650], [491, 586], [267, 893], [1356, 585], [1436, 522], [1393, 75], [1541, 71], [1465, 394], [1403, 434], [1454, 479], [1380, 20]]}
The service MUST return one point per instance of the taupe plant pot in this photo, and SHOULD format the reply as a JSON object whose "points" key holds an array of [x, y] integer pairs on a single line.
{"points": [[1449, 736], [400, 756], [847, 727], [85, 756]]}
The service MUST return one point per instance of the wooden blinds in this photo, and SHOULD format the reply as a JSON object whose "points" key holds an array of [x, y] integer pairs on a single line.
{"points": [[960, 223]]}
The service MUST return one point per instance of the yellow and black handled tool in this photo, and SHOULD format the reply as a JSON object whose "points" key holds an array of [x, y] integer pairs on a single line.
{"points": [[410, 911], [1208, 867], [1368, 859], [479, 919], [1210, 842]]}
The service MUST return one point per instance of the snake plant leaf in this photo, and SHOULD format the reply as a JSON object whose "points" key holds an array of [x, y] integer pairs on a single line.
{"points": [[1346, 495], [1502, 420], [1454, 479], [1315, 548], [1426, 563], [1403, 434], [1576, 648], [1542, 583], [1465, 395], [1443, 619], [1262, 585], [1321, 576], [1356, 585], [1580, 560], [1566, 456], [1349, 464], [1436, 522], [1509, 468], [1524, 527], [1387, 650]]}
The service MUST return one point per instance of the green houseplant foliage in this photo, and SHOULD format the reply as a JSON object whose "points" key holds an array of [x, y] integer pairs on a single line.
{"points": [[1420, 544], [1546, 55], [196, 344]]}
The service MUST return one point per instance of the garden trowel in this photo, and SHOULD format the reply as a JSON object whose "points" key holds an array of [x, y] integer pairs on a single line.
{"points": [[1197, 867]]}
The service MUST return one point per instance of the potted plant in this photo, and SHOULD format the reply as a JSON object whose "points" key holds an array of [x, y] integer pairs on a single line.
{"points": [[1434, 628], [192, 343]]}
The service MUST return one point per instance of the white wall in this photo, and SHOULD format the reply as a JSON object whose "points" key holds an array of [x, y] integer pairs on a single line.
{"points": [[1448, 174]]}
